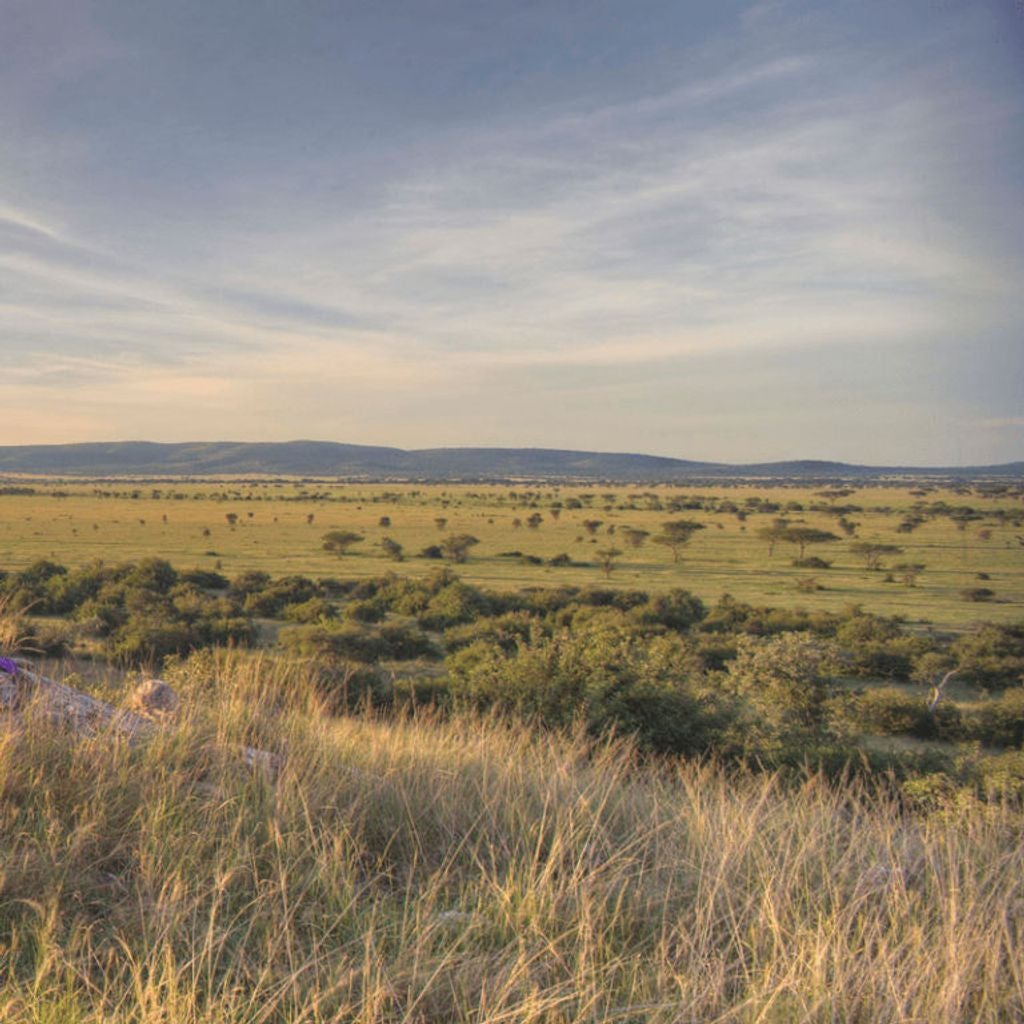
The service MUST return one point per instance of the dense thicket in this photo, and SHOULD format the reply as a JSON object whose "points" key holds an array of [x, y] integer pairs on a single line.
{"points": [[779, 686]]}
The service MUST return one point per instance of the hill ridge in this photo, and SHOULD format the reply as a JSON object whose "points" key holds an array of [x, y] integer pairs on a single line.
{"points": [[338, 459]]}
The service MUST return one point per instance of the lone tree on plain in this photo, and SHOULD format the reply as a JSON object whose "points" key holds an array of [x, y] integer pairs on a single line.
{"points": [[635, 536], [801, 536], [873, 553], [676, 534], [339, 541], [774, 533], [456, 547], [908, 572], [392, 549], [606, 558], [592, 525]]}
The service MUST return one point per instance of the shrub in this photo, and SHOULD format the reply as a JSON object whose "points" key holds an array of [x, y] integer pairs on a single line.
{"points": [[206, 579], [347, 642], [784, 681], [368, 610], [456, 603], [154, 574], [505, 631], [348, 687], [677, 609], [607, 678], [991, 655], [316, 609], [998, 722], [888, 712]]}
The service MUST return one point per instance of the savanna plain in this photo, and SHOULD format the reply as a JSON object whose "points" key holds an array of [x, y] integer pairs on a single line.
{"points": [[733, 751]]}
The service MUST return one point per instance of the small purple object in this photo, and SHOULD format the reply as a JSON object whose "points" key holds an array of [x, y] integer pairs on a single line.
{"points": [[9, 665]]}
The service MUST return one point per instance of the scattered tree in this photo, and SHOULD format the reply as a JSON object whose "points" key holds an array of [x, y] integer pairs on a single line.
{"points": [[634, 536], [606, 558], [801, 536], [392, 549], [339, 541], [676, 533], [456, 547], [908, 572], [773, 534], [873, 552]]}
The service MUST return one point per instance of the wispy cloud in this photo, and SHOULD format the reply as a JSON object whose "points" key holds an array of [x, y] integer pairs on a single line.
{"points": [[762, 199]]}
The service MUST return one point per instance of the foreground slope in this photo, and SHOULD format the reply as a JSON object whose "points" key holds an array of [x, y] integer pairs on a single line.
{"points": [[470, 871]]}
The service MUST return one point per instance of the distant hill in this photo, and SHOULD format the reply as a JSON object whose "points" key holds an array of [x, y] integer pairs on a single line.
{"points": [[327, 458]]}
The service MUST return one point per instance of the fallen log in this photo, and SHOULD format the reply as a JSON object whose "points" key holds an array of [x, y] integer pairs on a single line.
{"points": [[85, 715]]}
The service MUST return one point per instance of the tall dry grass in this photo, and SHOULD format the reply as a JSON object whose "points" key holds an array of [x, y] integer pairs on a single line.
{"points": [[465, 870]]}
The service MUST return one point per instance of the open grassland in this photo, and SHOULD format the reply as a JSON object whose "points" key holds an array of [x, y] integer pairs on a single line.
{"points": [[278, 528], [420, 870]]}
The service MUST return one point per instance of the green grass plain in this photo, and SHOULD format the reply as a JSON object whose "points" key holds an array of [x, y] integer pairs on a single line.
{"points": [[186, 522]]}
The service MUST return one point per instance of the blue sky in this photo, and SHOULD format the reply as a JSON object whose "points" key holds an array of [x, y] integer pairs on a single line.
{"points": [[715, 230]]}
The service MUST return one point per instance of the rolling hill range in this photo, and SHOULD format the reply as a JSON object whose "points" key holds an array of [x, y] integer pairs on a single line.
{"points": [[325, 458]]}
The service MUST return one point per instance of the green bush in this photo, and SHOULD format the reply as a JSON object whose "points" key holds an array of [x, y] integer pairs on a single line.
{"points": [[506, 631], [991, 655], [316, 609], [998, 722], [608, 679], [372, 609], [348, 642], [883, 711], [456, 603], [676, 609]]}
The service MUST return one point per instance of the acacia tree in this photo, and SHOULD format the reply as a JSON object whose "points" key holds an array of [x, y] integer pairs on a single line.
{"points": [[456, 547], [635, 536], [873, 553], [909, 571], [773, 534], [392, 549], [676, 533], [339, 541], [606, 558], [801, 536]]}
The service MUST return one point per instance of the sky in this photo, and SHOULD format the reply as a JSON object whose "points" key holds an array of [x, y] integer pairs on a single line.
{"points": [[708, 229]]}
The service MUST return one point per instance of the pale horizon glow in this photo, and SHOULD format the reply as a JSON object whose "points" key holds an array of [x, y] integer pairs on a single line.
{"points": [[720, 231]]}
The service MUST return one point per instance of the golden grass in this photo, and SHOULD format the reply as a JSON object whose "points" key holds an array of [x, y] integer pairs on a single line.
{"points": [[467, 870], [69, 523]]}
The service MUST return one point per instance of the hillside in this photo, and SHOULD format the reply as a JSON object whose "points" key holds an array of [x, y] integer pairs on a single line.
{"points": [[327, 458], [465, 870]]}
